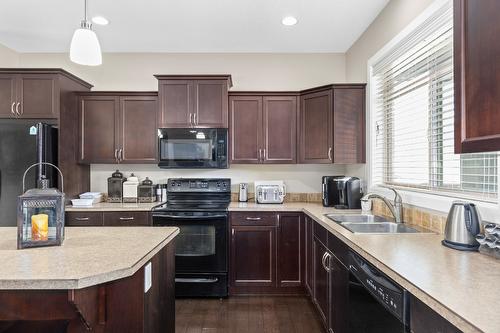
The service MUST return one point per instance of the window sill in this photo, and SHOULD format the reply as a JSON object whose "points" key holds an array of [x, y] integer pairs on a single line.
{"points": [[438, 202]]}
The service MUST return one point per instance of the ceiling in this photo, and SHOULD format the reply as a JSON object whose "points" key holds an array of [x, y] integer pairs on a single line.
{"points": [[190, 25]]}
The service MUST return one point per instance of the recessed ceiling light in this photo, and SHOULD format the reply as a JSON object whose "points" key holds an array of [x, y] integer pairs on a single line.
{"points": [[289, 20], [100, 20]]}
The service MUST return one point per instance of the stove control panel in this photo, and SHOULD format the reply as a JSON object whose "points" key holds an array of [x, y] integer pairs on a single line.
{"points": [[199, 185]]}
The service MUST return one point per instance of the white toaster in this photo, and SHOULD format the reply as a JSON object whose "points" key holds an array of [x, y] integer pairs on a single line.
{"points": [[270, 192]]}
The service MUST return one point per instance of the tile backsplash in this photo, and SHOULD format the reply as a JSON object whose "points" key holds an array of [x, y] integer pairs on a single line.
{"points": [[290, 197], [418, 216]]}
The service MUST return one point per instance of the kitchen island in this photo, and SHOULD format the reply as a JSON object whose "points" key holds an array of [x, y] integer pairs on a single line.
{"points": [[101, 279]]}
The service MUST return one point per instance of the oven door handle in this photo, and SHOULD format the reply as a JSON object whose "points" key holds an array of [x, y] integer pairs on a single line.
{"points": [[196, 280], [211, 217]]}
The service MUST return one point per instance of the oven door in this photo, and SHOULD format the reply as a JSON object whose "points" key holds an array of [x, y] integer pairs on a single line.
{"points": [[192, 147], [201, 246]]}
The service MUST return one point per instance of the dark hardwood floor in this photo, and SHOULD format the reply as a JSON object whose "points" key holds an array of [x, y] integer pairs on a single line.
{"points": [[247, 314]]}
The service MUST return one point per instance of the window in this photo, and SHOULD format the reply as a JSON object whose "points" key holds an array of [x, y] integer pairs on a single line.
{"points": [[413, 112]]}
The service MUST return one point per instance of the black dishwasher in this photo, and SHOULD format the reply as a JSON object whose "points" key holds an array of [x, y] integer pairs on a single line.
{"points": [[377, 304]]}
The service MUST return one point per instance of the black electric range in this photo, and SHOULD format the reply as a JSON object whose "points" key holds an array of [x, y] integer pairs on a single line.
{"points": [[199, 208]]}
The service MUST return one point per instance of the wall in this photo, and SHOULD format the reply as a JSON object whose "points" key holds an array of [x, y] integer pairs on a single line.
{"points": [[390, 22], [134, 71], [249, 72], [8, 57]]}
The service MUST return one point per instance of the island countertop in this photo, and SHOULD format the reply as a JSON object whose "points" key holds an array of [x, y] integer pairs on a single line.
{"points": [[88, 256]]}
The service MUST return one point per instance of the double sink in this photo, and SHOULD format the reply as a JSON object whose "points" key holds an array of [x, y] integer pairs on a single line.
{"points": [[370, 224]]}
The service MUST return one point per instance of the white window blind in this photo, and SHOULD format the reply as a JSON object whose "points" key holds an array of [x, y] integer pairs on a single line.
{"points": [[414, 118]]}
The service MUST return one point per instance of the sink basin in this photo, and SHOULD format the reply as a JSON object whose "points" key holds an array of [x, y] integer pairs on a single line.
{"points": [[370, 224], [378, 228], [357, 218]]}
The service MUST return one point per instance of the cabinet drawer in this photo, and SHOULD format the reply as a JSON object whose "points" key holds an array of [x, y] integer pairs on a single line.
{"points": [[254, 218], [320, 233], [82, 219], [126, 219]]}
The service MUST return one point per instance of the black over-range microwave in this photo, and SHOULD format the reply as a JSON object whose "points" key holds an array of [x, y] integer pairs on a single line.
{"points": [[187, 148]]}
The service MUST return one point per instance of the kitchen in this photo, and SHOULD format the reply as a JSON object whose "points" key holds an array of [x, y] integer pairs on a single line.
{"points": [[258, 160]]}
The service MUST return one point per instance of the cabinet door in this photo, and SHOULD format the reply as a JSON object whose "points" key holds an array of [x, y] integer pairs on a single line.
{"points": [[280, 129], [321, 285], [290, 250], [309, 254], [210, 103], [425, 320], [477, 75], [339, 296], [349, 125], [7, 95], [138, 139], [176, 103], [253, 256], [98, 123], [38, 96], [316, 128], [246, 129], [126, 219]]}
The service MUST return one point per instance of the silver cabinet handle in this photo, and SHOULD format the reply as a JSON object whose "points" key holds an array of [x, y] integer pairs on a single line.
{"points": [[328, 266], [116, 155], [253, 218], [120, 155], [195, 116], [12, 108], [126, 218], [323, 261], [232, 232], [201, 280], [81, 218], [264, 155], [260, 155], [330, 153], [17, 109], [191, 119]]}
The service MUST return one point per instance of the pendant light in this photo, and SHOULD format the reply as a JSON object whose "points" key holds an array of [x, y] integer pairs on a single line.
{"points": [[85, 48]]}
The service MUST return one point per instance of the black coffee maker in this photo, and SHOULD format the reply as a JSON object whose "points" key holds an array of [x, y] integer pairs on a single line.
{"points": [[341, 192]]}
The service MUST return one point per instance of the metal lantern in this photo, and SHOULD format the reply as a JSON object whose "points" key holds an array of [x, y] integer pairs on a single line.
{"points": [[40, 213]]}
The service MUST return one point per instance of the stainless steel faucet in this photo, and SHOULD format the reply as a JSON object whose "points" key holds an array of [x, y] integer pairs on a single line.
{"points": [[396, 208]]}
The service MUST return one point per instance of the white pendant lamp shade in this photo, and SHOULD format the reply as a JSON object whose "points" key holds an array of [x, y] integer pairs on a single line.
{"points": [[85, 48]]}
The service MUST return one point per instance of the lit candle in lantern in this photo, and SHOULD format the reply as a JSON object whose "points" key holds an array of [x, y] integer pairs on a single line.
{"points": [[40, 227]]}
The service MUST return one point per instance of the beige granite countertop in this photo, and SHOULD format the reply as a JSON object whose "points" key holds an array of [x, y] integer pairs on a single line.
{"points": [[114, 207], [461, 286], [88, 256]]}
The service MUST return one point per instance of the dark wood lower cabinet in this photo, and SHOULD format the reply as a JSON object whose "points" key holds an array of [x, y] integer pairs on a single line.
{"points": [[119, 306], [321, 283], [267, 253], [308, 254], [425, 320]]}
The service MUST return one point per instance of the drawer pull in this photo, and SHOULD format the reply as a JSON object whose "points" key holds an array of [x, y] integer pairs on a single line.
{"points": [[126, 218], [81, 218], [254, 218]]}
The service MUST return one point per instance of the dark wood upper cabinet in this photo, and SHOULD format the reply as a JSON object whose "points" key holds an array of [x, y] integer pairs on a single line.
{"points": [[35, 93], [332, 124], [38, 96], [280, 129], [193, 100], [245, 131], [116, 128], [263, 128], [290, 250], [8, 95], [349, 125], [477, 75], [98, 117], [316, 127], [211, 108], [138, 130]]}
